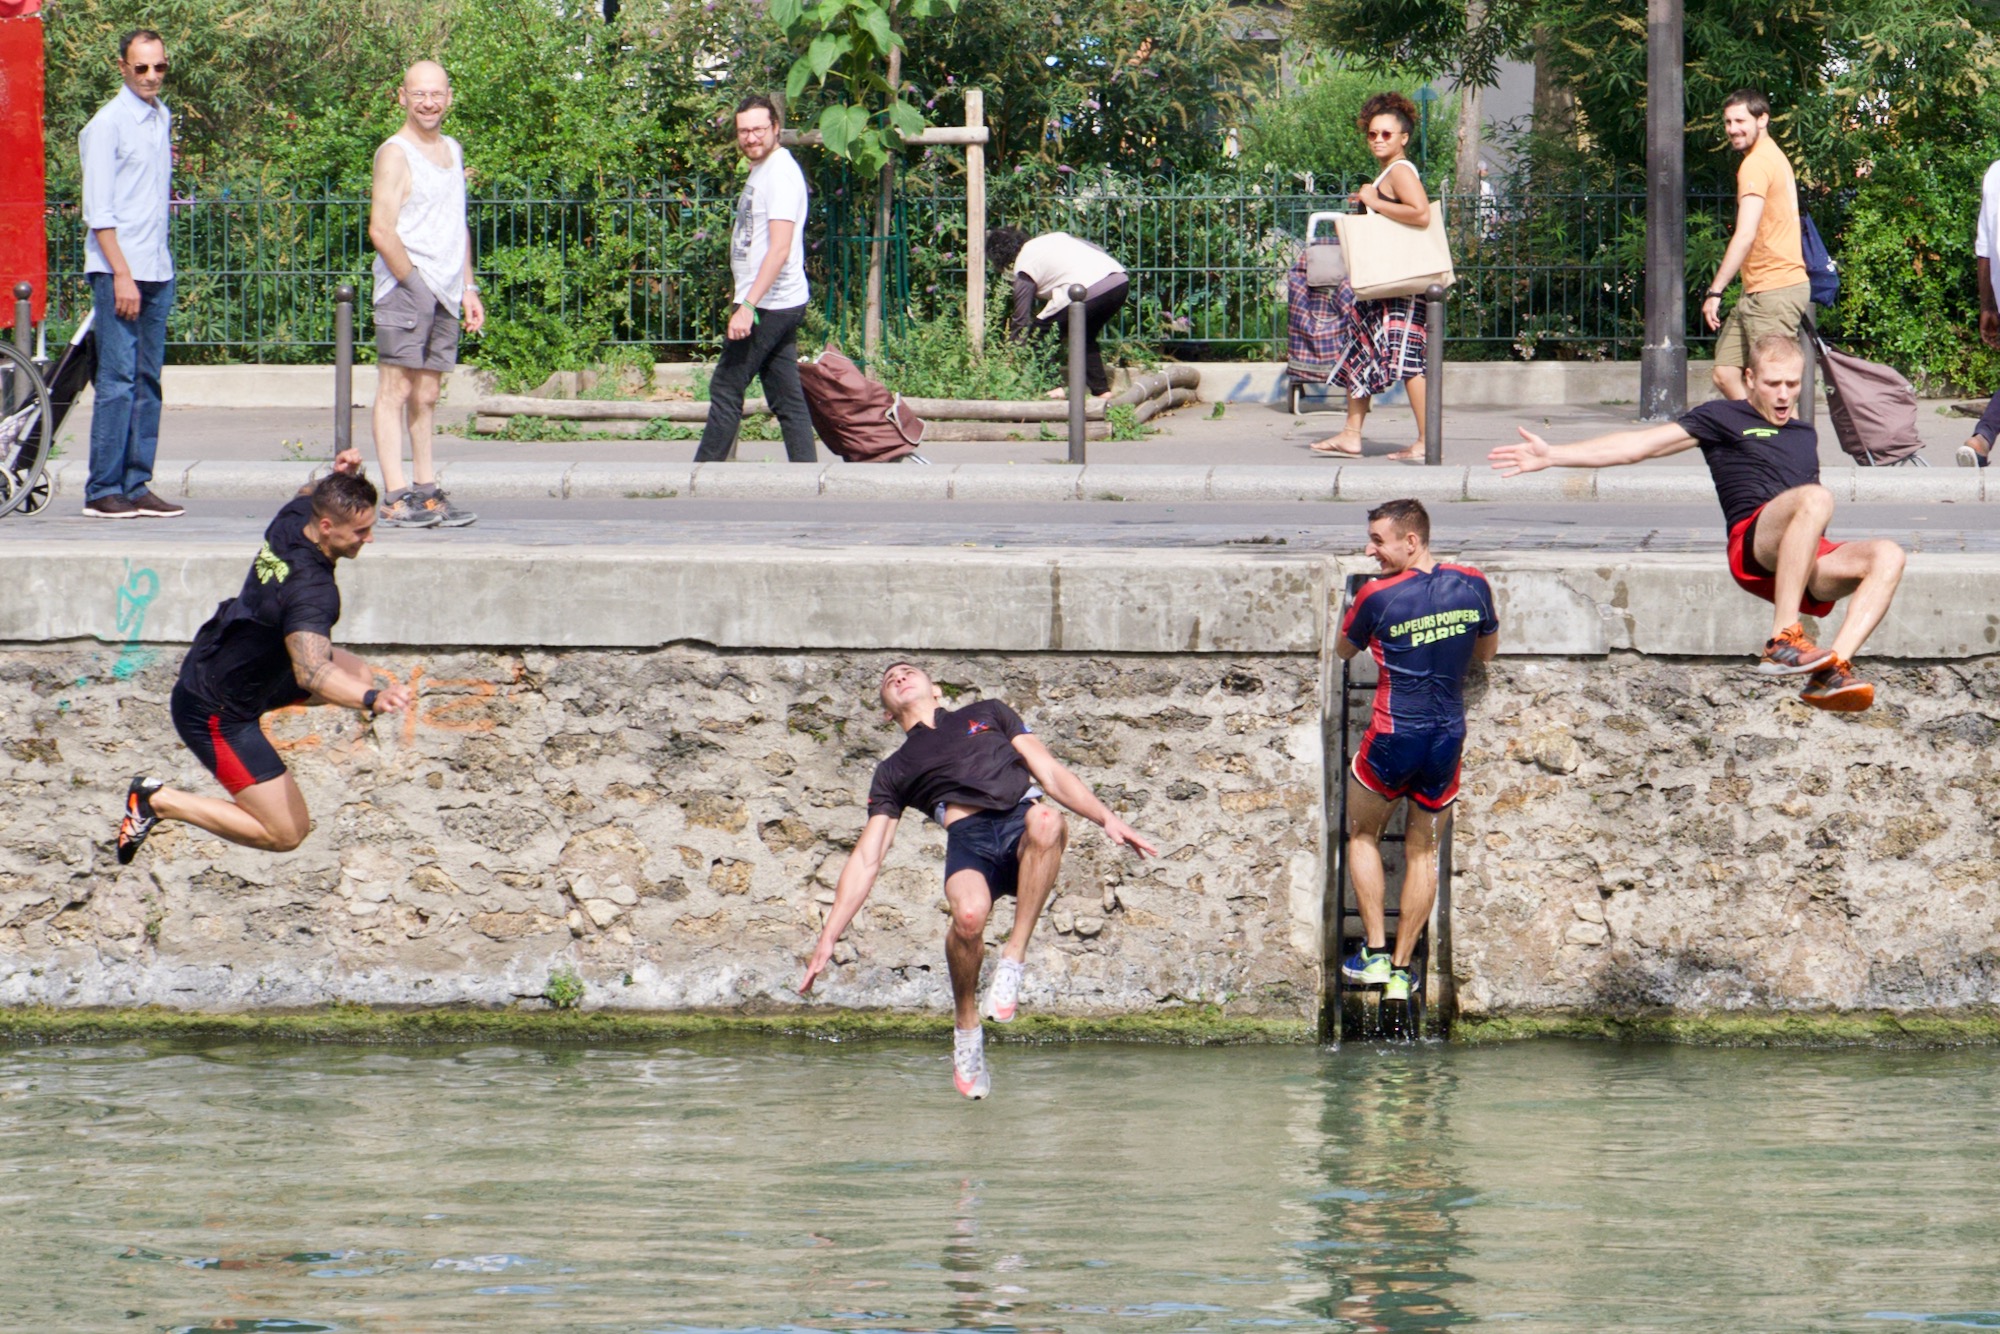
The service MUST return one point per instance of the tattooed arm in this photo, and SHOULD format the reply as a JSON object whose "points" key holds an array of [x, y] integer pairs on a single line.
{"points": [[334, 676]]}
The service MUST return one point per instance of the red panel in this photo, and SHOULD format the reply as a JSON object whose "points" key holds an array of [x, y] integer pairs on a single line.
{"points": [[24, 251]]}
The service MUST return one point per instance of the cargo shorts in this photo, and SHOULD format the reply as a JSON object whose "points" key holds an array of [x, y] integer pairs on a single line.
{"points": [[414, 330], [1781, 311]]}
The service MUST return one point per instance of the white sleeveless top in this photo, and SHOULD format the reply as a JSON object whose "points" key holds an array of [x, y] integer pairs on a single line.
{"points": [[1399, 162], [431, 224]]}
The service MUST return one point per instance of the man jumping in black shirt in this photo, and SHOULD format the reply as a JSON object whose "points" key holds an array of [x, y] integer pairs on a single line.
{"points": [[1765, 463], [266, 648], [978, 771]]}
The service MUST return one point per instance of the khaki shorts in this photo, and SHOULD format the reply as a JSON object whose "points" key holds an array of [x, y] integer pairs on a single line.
{"points": [[1781, 311], [414, 330]]}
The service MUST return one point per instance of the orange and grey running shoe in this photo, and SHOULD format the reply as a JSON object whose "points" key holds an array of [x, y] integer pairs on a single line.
{"points": [[968, 1062], [1837, 689], [139, 817], [1792, 654]]}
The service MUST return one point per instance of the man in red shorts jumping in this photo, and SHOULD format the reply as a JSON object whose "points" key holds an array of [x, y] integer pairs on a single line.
{"points": [[268, 647], [1765, 463]]}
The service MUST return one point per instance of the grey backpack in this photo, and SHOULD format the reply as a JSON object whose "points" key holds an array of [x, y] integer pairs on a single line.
{"points": [[1874, 409]]}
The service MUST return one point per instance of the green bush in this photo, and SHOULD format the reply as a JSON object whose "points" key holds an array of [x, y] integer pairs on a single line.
{"points": [[1908, 284], [933, 358], [1308, 132]]}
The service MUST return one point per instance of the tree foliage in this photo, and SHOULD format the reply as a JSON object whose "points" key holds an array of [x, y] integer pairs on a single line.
{"points": [[1126, 83]]}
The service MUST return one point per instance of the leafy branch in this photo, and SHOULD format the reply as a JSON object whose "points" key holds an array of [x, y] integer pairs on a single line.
{"points": [[852, 45]]}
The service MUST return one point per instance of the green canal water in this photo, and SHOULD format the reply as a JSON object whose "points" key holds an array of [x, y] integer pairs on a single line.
{"points": [[743, 1184]]}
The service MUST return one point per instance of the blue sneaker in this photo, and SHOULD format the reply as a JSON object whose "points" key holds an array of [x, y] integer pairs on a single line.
{"points": [[1367, 968]]}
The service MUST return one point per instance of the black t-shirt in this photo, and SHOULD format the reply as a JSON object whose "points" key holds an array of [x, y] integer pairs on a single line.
{"points": [[966, 758], [1751, 460], [238, 664]]}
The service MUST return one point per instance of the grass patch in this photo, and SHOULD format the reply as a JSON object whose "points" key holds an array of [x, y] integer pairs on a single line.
{"points": [[361, 1024], [1766, 1029], [1123, 419]]}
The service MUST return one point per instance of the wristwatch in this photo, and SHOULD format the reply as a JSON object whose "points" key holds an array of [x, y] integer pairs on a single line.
{"points": [[1716, 296], [368, 701]]}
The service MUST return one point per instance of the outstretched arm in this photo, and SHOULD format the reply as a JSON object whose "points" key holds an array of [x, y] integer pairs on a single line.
{"points": [[1605, 451], [1056, 780], [857, 877]]}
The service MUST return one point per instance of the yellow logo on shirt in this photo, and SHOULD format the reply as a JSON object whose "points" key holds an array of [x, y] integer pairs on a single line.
{"points": [[1438, 625], [269, 566]]}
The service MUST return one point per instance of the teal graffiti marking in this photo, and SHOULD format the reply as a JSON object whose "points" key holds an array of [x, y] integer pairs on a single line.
{"points": [[141, 587]]}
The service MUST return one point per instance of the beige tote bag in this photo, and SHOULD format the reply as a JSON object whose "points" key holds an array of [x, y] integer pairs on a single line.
{"points": [[1387, 258]]}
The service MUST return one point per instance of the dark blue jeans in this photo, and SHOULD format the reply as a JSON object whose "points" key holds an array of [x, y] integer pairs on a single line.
{"points": [[1989, 422], [771, 353], [125, 417]]}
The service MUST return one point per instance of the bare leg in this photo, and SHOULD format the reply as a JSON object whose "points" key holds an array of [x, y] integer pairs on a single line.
{"points": [[1787, 544], [271, 816], [1866, 573], [392, 391], [965, 943], [1367, 817], [1041, 853], [1731, 381], [1419, 392], [1421, 834], [1348, 439], [422, 416]]}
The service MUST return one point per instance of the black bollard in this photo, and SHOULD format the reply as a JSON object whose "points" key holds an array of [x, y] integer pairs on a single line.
{"points": [[343, 367], [1079, 392], [1434, 376], [24, 318]]}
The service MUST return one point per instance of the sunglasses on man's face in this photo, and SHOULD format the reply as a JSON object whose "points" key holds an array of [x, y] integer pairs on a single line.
{"points": [[143, 70]]}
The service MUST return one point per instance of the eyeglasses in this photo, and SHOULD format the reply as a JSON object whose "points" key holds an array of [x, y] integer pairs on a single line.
{"points": [[143, 70], [1383, 134]]}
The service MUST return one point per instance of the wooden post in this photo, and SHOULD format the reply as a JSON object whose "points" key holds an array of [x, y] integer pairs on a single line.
{"points": [[975, 223]]}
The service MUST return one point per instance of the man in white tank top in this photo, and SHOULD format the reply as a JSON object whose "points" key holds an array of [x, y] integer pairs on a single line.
{"points": [[423, 279]]}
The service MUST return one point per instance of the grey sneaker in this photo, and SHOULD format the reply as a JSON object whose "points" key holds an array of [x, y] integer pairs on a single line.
{"points": [[401, 510], [1970, 455], [110, 507], [438, 503], [968, 1063]]}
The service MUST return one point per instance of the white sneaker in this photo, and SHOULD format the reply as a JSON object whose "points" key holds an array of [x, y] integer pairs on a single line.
{"points": [[968, 1062], [1004, 996]]}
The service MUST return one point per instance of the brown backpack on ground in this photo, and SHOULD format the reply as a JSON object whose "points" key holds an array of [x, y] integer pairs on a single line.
{"points": [[1874, 409], [855, 416]]}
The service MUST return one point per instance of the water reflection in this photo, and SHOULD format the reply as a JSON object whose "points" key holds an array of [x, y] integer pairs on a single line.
{"points": [[1387, 1227]]}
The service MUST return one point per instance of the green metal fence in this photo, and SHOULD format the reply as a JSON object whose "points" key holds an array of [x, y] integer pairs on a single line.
{"points": [[1552, 274]]}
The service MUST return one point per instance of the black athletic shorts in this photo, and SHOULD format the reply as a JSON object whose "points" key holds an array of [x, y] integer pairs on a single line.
{"points": [[237, 752], [988, 842]]}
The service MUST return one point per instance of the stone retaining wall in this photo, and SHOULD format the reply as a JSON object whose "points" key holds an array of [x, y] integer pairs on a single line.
{"points": [[669, 823], [661, 796]]}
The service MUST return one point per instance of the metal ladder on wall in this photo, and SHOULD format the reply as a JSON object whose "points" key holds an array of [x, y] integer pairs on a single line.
{"points": [[1356, 1013]]}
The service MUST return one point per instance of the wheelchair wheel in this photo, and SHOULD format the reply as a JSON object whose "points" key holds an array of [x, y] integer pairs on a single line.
{"points": [[25, 437]]}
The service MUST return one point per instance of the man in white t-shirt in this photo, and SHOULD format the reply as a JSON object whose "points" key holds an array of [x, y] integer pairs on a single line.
{"points": [[1986, 247], [767, 257]]}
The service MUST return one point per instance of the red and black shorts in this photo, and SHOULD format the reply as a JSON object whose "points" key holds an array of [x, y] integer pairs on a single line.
{"points": [[1422, 766], [235, 750], [1752, 577]]}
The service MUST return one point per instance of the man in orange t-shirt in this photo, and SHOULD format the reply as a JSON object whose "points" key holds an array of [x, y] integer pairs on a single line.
{"points": [[1765, 248]]}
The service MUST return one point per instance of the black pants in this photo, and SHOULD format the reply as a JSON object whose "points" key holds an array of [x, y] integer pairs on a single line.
{"points": [[1097, 312], [771, 354]]}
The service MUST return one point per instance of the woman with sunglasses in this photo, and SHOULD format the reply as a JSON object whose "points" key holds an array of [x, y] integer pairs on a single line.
{"points": [[1380, 344]]}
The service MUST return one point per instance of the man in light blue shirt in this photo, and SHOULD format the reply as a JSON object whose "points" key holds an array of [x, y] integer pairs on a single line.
{"points": [[128, 167]]}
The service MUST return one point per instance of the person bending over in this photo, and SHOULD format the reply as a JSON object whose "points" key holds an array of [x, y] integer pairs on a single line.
{"points": [[1765, 463], [268, 647], [979, 772], [1043, 268], [1426, 623]]}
